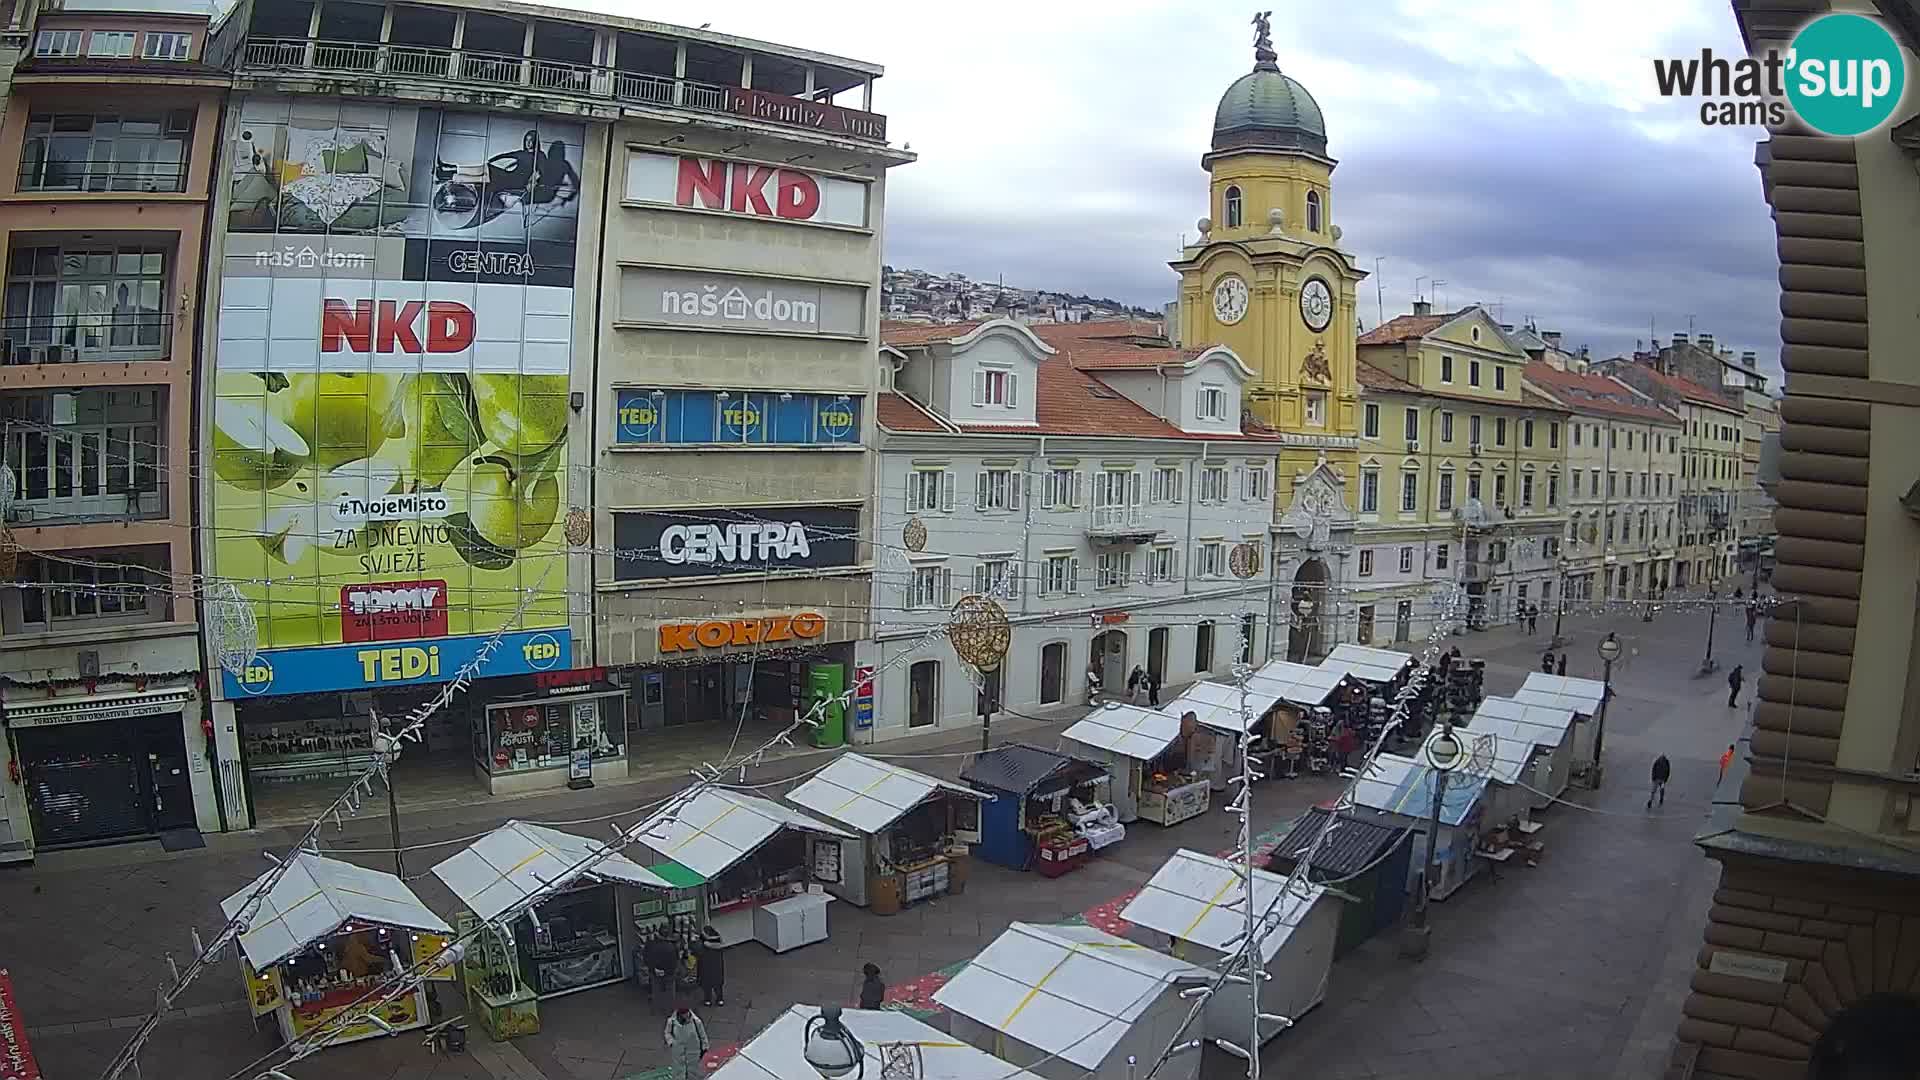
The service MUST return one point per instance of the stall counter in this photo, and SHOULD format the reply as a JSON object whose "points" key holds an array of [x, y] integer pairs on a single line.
{"points": [[1175, 801]]}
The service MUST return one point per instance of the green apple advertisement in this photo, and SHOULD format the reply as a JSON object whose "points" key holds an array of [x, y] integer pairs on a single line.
{"points": [[391, 399]]}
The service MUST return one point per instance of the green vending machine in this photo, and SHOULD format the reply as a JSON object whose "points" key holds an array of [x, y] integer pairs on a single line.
{"points": [[826, 682]]}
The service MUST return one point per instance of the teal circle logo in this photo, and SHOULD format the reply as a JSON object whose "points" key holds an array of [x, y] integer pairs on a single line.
{"points": [[1845, 74]]}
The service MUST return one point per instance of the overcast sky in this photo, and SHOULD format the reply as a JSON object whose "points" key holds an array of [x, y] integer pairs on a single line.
{"points": [[1516, 151]]}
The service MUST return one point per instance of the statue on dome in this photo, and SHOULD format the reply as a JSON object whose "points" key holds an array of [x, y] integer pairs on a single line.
{"points": [[1263, 38]]}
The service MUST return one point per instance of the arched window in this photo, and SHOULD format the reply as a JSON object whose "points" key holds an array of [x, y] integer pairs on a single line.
{"points": [[1232, 213], [1313, 211]]}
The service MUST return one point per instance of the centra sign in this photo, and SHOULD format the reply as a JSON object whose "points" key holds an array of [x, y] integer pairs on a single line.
{"points": [[720, 633], [762, 542]]}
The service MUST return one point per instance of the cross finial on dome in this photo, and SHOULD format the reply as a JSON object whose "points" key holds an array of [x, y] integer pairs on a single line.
{"points": [[1264, 58]]}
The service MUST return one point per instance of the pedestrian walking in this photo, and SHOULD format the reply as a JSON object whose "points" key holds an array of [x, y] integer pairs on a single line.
{"points": [[873, 990], [1344, 744], [1753, 618], [1533, 619], [1662, 768], [1735, 678], [711, 967], [1136, 681], [1153, 689], [1546, 662], [1726, 759], [686, 1044], [662, 961], [1093, 684], [1561, 667]]}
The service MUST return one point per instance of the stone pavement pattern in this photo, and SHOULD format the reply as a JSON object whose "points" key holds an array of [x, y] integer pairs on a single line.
{"points": [[1572, 969]]}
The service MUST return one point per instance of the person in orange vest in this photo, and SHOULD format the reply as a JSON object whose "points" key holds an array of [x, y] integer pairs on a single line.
{"points": [[1726, 759]]}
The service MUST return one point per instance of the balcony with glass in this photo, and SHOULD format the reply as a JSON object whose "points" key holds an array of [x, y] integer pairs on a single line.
{"points": [[106, 152], [73, 301], [87, 589], [84, 456], [444, 50]]}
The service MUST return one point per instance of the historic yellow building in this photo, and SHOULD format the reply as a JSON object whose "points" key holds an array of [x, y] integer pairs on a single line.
{"points": [[1267, 279]]}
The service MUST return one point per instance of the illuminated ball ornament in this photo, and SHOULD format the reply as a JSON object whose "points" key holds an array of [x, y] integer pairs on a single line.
{"points": [[914, 535], [232, 630], [979, 632], [1242, 561], [579, 526]]}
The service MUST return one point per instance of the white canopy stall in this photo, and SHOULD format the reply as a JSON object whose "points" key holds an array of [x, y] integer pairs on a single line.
{"points": [[1072, 1003], [1366, 663], [1196, 901], [581, 936], [750, 853], [324, 936], [1225, 717], [1512, 764], [1146, 754], [1303, 685], [1581, 696], [778, 1052], [910, 830], [1551, 728]]}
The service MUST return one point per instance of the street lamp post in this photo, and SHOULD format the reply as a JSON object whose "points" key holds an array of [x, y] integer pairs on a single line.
{"points": [[830, 1048], [1609, 652], [1713, 614], [1443, 753], [1560, 609]]}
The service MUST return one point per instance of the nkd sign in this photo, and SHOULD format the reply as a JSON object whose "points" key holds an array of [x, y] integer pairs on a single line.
{"points": [[736, 302], [743, 187], [704, 543]]}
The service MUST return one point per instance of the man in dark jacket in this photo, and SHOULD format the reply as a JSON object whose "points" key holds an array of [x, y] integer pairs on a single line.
{"points": [[873, 992], [662, 961], [1735, 679], [1662, 768], [711, 967]]}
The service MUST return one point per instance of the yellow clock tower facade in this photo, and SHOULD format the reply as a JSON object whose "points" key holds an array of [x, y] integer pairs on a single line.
{"points": [[1268, 279]]}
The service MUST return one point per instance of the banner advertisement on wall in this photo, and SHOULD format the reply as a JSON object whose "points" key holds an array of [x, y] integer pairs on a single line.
{"points": [[391, 390], [734, 418]]}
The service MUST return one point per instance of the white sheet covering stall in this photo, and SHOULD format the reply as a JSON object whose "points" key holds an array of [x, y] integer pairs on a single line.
{"points": [[1072, 1003], [1196, 901], [1581, 696], [869, 797], [1125, 738], [1551, 727], [1366, 663], [1307, 686], [778, 1053]]}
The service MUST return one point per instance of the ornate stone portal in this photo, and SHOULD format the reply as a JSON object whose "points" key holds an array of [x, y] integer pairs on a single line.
{"points": [[1311, 543]]}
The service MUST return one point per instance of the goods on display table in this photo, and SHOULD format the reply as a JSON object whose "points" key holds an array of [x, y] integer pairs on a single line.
{"points": [[1186, 903], [1403, 789], [1146, 751], [1225, 715], [779, 1051], [1074, 1002], [911, 831], [746, 852], [1044, 810], [325, 936], [538, 741], [574, 939]]}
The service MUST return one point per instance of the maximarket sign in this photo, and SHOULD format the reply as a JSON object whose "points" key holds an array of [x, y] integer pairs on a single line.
{"points": [[658, 297]]}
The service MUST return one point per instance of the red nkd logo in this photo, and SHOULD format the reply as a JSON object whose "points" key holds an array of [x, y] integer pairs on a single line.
{"points": [[392, 326], [742, 189]]}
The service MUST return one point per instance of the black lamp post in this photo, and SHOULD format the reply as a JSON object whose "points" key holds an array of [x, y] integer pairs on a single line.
{"points": [[831, 1049], [1609, 652], [1560, 609], [1444, 753]]}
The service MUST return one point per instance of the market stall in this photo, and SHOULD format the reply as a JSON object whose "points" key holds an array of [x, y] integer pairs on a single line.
{"points": [[324, 936], [1364, 662], [1196, 905], [1224, 715], [579, 938], [1582, 697], [1550, 727], [1072, 1003], [1146, 751], [1306, 693], [911, 831], [539, 741], [778, 1052], [1367, 854], [1044, 810], [761, 867], [1402, 789]]}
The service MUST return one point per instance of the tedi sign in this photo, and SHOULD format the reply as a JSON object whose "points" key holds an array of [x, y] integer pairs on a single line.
{"points": [[755, 189], [700, 543], [1843, 76]]}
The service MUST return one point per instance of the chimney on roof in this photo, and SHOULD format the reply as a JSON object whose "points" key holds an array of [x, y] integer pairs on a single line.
{"points": [[1507, 326], [1679, 340], [1706, 342], [1422, 307], [1749, 358], [1551, 337]]}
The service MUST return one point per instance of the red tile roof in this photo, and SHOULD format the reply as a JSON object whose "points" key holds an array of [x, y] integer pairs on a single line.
{"points": [[909, 334], [1688, 389], [1401, 327], [897, 412], [1584, 392], [1375, 379]]}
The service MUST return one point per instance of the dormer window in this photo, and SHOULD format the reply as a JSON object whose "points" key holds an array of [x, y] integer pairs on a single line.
{"points": [[1213, 403], [1313, 211], [995, 386], [1232, 209]]}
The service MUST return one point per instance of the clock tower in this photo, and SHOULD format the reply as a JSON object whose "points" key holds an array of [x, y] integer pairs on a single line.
{"points": [[1267, 277]]}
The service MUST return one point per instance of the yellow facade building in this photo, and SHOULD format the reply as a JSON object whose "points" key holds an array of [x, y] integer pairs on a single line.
{"points": [[1461, 469]]}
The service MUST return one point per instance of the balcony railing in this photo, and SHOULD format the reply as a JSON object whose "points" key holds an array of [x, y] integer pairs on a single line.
{"points": [[67, 339], [1116, 518], [465, 67], [131, 176]]}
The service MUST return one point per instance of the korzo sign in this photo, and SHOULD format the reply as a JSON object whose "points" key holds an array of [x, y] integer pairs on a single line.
{"points": [[748, 188], [709, 542]]}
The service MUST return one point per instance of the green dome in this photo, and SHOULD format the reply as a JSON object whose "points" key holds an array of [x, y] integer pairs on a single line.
{"points": [[1266, 109]]}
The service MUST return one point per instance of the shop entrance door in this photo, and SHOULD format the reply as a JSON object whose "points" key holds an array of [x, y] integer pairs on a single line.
{"points": [[89, 782], [1053, 673], [1157, 652]]}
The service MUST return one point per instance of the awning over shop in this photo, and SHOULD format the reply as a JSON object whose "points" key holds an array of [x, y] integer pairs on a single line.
{"points": [[1563, 692], [1219, 706], [517, 859], [1029, 770], [1365, 662], [1198, 898], [778, 1052], [1127, 730], [1300, 684], [314, 898], [1403, 786], [718, 828], [1068, 991], [867, 795]]}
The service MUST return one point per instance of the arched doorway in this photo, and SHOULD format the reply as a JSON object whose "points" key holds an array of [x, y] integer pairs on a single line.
{"points": [[1308, 607], [1109, 657]]}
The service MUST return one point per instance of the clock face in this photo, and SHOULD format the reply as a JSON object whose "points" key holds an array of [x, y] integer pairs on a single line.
{"points": [[1230, 300], [1316, 304]]}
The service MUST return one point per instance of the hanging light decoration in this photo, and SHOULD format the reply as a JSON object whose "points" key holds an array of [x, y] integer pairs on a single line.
{"points": [[9, 549], [8, 491], [914, 535], [1242, 561], [979, 632], [579, 527], [232, 629]]}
